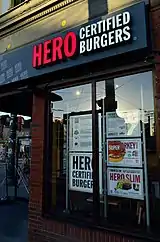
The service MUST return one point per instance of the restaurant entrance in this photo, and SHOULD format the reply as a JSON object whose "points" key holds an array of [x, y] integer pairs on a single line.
{"points": [[103, 131]]}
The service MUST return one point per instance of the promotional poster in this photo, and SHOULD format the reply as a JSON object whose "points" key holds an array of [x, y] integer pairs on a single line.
{"points": [[123, 124], [80, 172], [125, 182], [124, 152]]}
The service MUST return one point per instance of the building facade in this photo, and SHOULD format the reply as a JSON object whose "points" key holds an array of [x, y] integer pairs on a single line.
{"points": [[88, 74]]}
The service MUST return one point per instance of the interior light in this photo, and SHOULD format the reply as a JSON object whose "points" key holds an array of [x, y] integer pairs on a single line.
{"points": [[78, 93]]}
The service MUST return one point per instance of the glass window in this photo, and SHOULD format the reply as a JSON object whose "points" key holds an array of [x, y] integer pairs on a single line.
{"points": [[113, 5], [71, 151], [127, 108], [129, 184], [4, 5]]}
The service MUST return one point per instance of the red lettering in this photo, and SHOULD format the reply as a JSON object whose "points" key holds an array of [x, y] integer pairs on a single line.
{"points": [[115, 177], [137, 178], [122, 177], [47, 51], [54, 50], [70, 44], [37, 56], [118, 176], [57, 44]]}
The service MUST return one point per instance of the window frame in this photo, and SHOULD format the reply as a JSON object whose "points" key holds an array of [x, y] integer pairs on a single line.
{"points": [[13, 6], [97, 222], [15, 3]]}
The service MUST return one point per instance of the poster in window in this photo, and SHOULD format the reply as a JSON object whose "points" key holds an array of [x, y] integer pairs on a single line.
{"points": [[125, 182], [80, 133], [123, 124], [81, 173], [124, 152]]}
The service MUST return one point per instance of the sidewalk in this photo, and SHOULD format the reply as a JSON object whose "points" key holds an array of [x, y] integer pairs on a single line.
{"points": [[13, 222]]}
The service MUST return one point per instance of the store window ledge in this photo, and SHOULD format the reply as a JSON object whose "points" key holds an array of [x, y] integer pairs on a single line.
{"points": [[140, 234]]}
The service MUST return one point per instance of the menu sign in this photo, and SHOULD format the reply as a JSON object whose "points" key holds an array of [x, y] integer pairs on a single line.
{"points": [[80, 133], [123, 124], [125, 182], [124, 152], [80, 136]]}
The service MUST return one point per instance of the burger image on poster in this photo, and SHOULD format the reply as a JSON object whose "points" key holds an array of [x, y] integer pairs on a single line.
{"points": [[116, 151], [124, 185]]}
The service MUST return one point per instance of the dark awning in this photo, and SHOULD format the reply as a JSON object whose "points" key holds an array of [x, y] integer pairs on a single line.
{"points": [[21, 102]]}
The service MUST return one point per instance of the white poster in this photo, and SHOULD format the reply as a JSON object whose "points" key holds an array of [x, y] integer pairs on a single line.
{"points": [[80, 172], [125, 182], [80, 133], [123, 124], [124, 152]]}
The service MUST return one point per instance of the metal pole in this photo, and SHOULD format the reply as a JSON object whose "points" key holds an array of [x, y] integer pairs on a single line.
{"points": [[11, 150], [16, 168], [145, 163], [104, 160], [67, 163]]}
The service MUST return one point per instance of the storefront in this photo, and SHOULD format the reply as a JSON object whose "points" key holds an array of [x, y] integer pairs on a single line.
{"points": [[95, 128]]}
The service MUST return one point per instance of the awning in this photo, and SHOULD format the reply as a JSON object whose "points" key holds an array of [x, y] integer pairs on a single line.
{"points": [[21, 102]]}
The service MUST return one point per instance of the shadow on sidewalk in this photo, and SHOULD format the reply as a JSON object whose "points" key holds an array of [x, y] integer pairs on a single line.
{"points": [[14, 222]]}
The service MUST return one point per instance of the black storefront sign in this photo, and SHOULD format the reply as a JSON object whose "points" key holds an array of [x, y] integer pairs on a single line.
{"points": [[111, 35], [107, 33]]}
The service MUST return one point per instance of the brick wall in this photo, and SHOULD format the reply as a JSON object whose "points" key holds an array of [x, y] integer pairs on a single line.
{"points": [[43, 230]]}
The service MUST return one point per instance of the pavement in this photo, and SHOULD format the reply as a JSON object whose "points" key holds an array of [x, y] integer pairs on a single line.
{"points": [[13, 215], [14, 222]]}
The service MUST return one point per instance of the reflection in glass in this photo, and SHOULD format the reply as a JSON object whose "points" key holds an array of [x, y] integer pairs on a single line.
{"points": [[123, 107], [71, 138]]}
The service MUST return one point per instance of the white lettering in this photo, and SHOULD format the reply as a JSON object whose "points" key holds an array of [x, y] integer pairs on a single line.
{"points": [[118, 35], [126, 32], [109, 23], [119, 20], [96, 42], [99, 26], [126, 18], [89, 44], [93, 29], [113, 22], [104, 40], [88, 31], [82, 33], [107, 32], [111, 38], [82, 47]]}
